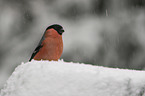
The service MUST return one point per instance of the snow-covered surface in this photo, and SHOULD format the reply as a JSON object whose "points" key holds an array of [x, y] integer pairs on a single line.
{"points": [[45, 78]]}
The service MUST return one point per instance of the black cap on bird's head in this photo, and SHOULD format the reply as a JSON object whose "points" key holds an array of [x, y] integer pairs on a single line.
{"points": [[57, 27]]}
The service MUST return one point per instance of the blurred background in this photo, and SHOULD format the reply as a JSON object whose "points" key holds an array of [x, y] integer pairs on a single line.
{"points": [[107, 33]]}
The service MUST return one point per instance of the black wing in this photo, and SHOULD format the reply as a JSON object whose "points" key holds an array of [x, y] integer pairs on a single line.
{"points": [[37, 48], [35, 52]]}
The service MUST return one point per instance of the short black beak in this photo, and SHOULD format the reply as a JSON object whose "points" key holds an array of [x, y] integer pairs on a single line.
{"points": [[62, 31]]}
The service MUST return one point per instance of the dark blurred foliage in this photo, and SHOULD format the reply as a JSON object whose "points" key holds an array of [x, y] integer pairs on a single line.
{"points": [[121, 31], [136, 3], [99, 6]]}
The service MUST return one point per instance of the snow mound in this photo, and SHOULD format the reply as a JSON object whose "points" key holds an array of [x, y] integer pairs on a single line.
{"points": [[51, 78]]}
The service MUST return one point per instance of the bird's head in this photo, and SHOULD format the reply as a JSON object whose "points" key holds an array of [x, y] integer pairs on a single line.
{"points": [[56, 27]]}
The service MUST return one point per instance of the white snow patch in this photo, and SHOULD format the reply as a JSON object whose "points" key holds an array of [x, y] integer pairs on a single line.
{"points": [[52, 78]]}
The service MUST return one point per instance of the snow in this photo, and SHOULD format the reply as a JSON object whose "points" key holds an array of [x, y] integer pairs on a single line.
{"points": [[59, 78]]}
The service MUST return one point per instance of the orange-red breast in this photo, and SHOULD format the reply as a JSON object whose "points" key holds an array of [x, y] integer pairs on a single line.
{"points": [[50, 46]]}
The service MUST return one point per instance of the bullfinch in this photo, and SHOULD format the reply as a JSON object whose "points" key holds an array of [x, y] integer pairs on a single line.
{"points": [[50, 46]]}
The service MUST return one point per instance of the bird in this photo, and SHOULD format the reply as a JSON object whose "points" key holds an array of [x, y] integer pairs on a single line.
{"points": [[50, 46]]}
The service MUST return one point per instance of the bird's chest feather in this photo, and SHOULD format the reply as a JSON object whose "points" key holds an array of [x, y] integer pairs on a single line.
{"points": [[52, 47]]}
